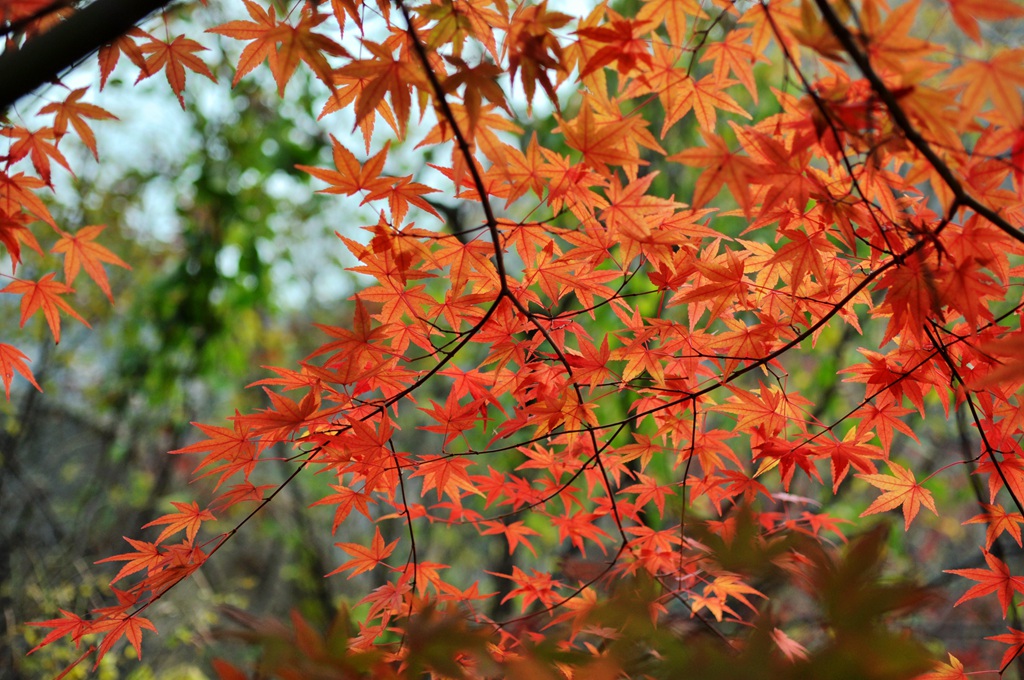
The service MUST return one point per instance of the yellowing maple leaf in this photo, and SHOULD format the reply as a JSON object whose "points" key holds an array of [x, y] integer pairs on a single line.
{"points": [[954, 670], [900, 489]]}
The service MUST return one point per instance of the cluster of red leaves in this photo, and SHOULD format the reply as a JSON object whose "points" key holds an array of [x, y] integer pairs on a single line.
{"points": [[892, 184], [21, 208]]}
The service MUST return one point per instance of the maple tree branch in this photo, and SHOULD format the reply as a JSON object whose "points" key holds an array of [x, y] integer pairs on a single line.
{"points": [[979, 493], [830, 120], [478, 185], [44, 58], [771, 356], [460, 140], [899, 116], [674, 594], [414, 559], [986, 444]]}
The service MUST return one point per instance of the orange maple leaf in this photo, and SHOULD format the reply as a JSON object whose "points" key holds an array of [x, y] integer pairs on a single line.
{"points": [[901, 489], [720, 167], [515, 532], [534, 49], [264, 32], [44, 294], [954, 670], [234, 445], [726, 284], [624, 41], [147, 556], [39, 145], [967, 12], [674, 14], [110, 53], [347, 500], [350, 176], [536, 586], [188, 519], [736, 56], [300, 43], [911, 297], [16, 195], [602, 139], [174, 56], [996, 80], [883, 417], [74, 111], [344, 91], [788, 646], [80, 251], [14, 232], [852, 450], [365, 558], [998, 520], [386, 75], [446, 474]]}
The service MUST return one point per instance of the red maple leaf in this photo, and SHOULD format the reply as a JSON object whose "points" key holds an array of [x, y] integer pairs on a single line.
{"points": [[67, 624], [188, 519], [127, 626], [996, 579], [997, 520], [12, 359], [365, 558], [1015, 638], [515, 532]]}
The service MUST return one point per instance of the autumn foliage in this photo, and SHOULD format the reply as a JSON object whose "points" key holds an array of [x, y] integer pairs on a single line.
{"points": [[618, 327]]}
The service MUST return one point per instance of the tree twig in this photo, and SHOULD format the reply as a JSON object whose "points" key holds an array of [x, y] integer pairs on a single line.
{"points": [[913, 136]]}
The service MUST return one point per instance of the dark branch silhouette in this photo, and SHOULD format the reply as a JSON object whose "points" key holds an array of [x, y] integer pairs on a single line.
{"points": [[44, 58]]}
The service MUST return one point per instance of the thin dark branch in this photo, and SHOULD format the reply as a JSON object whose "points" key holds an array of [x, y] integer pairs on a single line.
{"points": [[849, 43]]}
